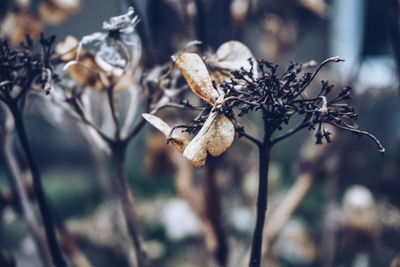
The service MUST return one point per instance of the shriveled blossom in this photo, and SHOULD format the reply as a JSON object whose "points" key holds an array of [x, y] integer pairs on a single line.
{"points": [[217, 133], [214, 131], [113, 44], [282, 97], [22, 70], [90, 71]]}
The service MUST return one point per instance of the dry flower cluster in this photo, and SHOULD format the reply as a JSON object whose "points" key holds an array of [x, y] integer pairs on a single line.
{"points": [[100, 82]]}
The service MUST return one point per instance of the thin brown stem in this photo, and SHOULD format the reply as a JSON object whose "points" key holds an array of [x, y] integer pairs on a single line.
{"points": [[125, 195], [262, 201], [47, 217], [21, 196], [111, 102], [291, 132]]}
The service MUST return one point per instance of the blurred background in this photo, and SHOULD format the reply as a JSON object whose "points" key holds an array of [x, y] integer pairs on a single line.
{"points": [[330, 205]]}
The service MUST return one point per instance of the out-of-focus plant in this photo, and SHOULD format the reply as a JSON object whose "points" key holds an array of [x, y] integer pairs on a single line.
{"points": [[23, 71], [109, 75], [28, 18], [280, 98]]}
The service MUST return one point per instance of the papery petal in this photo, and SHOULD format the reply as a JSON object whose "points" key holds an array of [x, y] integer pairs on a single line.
{"points": [[179, 142], [67, 48], [215, 137], [196, 75], [232, 56]]}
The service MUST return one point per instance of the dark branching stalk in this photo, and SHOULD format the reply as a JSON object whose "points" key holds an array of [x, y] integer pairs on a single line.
{"points": [[20, 71], [19, 192], [281, 98], [47, 217], [262, 201]]}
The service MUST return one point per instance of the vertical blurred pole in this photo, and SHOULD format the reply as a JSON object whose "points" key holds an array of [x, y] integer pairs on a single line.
{"points": [[201, 19], [214, 212], [347, 30], [394, 24]]}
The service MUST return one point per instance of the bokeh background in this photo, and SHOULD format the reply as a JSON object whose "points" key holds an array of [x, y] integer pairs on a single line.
{"points": [[346, 209]]}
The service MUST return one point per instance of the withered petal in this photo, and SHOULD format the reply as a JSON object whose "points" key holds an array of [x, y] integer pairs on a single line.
{"points": [[179, 142], [231, 56], [196, 75], [215, 137]]}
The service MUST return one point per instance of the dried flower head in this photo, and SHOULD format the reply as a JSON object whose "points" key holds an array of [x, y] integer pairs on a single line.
{"points": [[22, 69], [91, 71], [280, 98], [217, 133], [113, 44]]}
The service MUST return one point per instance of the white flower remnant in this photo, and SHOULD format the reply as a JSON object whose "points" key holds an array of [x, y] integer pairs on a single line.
{"points": [[113, 43], [217, 133], [125, 23]]}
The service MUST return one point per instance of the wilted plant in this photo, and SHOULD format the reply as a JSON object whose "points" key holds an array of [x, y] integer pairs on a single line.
{"points": [[112, 70], [22, 71], [281, 98]]}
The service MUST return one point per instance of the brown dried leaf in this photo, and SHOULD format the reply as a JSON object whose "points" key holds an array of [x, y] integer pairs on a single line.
{"points": [[196, 75], [215, 137], [179, 142]]}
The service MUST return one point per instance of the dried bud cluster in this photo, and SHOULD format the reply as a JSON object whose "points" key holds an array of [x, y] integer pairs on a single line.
{"points": [[21, 69], [232, 83], [281, 97]]}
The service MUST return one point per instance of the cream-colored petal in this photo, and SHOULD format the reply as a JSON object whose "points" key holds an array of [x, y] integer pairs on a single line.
{"points": [[196, 75], [232, 56], [215, 137], [179, 142]]}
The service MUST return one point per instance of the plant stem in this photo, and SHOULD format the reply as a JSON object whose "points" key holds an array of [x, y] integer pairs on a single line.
{"points": [[262, 200], [47, 218], [22, 198], [118, 157], [214, 212]]}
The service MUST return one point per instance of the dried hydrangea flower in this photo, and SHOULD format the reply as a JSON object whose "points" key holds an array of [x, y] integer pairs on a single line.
{"points": [[112, 44], [91, 71], [217, 133]]}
